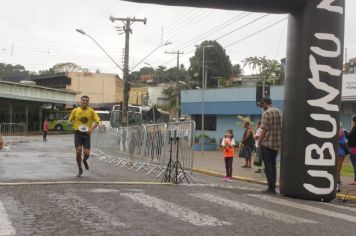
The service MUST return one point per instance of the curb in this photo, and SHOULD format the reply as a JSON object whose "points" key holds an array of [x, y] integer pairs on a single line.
{"points": [[342, 196], [81, 182]]}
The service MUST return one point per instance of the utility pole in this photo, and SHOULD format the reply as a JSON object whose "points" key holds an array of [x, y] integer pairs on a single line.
{"points": [[177, 82], [127, 29]]}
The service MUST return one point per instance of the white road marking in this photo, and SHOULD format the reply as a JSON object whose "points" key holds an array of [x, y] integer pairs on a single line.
{"points": [[253, 209], [103, 190], [338, 206], [5, 224], [222, 186], [174, 210], [312, 209], [75, 204]]}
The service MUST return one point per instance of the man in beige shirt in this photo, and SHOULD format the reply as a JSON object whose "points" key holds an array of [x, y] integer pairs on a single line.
{"points": [[1, 142]]}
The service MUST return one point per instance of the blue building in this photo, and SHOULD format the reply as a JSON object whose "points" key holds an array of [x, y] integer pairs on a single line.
{"points": [[223, 106]]}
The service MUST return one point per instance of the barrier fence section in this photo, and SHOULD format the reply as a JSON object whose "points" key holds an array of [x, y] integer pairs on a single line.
{"points": [[146, 147], [13, 129]]}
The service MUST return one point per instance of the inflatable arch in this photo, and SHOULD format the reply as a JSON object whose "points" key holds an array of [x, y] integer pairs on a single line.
{"points": [[312, 92]]}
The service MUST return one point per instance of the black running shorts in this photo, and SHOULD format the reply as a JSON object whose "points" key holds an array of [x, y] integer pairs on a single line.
{"points": [[81, 139]]}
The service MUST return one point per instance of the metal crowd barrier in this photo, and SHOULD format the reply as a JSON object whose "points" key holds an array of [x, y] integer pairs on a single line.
{"points": [[13, 129], [146, 147]]}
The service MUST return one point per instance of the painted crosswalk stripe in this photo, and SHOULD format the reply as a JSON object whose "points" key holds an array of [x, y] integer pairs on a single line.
{"points": [[5, 224], [73, 204], [275, 215], [174, 210], [315, 210], [338, 206]]}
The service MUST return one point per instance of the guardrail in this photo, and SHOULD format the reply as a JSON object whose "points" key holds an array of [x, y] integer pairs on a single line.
{"points": [[148, 147], [13, 129]]}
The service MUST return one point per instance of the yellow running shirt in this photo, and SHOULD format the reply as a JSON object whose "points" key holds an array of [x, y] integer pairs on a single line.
{"points": [[83, 119]]}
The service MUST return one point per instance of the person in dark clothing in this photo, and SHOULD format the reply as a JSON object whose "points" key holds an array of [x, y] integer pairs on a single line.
{"points": [[247, 144], [352, 144]]}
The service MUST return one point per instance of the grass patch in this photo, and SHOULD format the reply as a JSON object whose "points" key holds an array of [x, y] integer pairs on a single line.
{"points": [[347, 170]]}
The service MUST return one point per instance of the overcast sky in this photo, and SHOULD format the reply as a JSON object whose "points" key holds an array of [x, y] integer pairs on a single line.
{"points": [[40, 33]]}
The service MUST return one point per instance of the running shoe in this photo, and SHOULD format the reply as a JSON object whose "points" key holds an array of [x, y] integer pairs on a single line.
{"points": [[80, 172], [86, 164], [229, 179]]}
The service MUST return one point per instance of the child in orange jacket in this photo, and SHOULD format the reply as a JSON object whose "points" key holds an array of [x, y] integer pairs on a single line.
{"points": [[228, 144]]}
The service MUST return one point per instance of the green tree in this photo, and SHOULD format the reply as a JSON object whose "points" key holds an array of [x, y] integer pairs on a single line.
{"points": [[171, 93], [12, 73], [173, 74], [269, 70], [160, 72], [147, 71], [218, 64], [64, 67], [236, 70]]}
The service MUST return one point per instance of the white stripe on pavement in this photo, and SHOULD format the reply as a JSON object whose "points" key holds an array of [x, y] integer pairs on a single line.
{"points": [[174, 210], [5, 224], [275, 215], [338, 206], [300, 206], [222, 186], [78, 207]]}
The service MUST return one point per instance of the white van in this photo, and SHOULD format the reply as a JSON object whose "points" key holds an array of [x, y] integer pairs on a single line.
{"points": [[104, 117]]}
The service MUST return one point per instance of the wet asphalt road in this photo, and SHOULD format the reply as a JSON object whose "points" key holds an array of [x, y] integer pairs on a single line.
{"points": [[96, 204]]}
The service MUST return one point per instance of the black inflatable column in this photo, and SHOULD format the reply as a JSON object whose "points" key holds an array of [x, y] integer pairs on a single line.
{"points": [[312, 100]]}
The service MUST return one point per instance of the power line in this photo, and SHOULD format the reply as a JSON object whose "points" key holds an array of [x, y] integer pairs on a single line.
{"points": [[226, 34], [256, 32]]}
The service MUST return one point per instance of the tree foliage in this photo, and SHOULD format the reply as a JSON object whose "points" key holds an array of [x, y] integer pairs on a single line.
{"points": [[64, 67], [269, 70], [236, 70], [218, 64], [171, 93], [12, 73]]}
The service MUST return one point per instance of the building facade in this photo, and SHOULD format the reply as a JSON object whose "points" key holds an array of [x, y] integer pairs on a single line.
{"points": [[23, 103], [227, 108]]}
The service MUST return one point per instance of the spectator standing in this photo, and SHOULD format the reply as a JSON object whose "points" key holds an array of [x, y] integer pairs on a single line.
{"points": [[45, 129], [1, 142], [228, 144], [352, 144], [247, 144], [256, 137], [342, 152], [270, 141]]}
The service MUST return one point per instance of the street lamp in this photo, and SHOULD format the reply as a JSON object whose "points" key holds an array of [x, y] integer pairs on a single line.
{"points": [[155, 49], [84, 33], [204, 78]]}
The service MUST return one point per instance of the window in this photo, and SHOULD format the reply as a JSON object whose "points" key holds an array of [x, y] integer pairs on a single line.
{"points": [[209, 122]]}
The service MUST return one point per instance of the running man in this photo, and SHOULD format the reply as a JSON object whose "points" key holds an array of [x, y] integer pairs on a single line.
{"points": [[84, 120]]}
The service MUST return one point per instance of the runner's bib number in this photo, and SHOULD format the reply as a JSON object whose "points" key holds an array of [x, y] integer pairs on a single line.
{"points": [[83, 128]]}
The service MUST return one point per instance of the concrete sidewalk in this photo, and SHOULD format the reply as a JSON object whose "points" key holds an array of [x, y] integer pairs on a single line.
{"points": [[212, 163]]}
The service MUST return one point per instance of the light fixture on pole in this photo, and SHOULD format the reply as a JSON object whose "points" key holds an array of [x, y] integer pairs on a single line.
{"points": [[204, 78], [84, 33]]}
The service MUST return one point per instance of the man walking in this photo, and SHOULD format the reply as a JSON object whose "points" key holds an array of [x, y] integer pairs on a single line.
{"points": [[84, 120], [270, 141]]}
